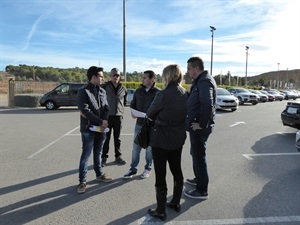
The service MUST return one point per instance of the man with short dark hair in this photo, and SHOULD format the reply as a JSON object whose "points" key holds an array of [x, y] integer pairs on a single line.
{"points": [[199, 123], [141, 101], [116, 96], [92, 103]]}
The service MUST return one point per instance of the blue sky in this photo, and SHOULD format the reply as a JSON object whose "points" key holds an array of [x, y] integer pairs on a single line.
{"points": [[74, 33]]}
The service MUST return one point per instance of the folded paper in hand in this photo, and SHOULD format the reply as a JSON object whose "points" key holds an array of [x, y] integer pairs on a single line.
{"points": [[99, 129], [138, 113]]}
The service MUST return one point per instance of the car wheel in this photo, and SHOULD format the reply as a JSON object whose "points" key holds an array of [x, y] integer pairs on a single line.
{"points": [[240, 101], [50, 105], [254, 103], [233, 110]]}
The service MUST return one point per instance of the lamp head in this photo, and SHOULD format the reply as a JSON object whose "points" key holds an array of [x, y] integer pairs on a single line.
{"points": [[212, 28], [247, 47]]}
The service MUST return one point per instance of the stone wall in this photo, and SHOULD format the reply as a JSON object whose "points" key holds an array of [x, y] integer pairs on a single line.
{"points": [[22, 87]]}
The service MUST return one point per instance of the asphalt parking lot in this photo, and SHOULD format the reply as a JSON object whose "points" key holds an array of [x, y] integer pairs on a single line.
{"points": [[253, 166]]}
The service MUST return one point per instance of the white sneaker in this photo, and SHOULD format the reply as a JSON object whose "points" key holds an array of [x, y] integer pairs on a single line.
{"points": [[146, 174]]}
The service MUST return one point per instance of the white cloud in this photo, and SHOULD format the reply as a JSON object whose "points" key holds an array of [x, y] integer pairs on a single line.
{"points": [[158, 33]]}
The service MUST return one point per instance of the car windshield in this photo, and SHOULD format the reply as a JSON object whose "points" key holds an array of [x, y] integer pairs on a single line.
{"points": [[264, 92], [255, 91], [221, 91], [241, 90], [273, 92]]}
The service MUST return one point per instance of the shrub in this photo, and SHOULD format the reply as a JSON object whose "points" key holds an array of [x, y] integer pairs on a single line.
{"points": [[27, 100]]}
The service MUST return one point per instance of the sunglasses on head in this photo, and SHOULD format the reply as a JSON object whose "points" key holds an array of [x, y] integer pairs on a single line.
{"points": [[116, 75]]}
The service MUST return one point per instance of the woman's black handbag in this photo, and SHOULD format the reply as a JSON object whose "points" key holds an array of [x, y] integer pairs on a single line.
{"points": [[142, 137]]}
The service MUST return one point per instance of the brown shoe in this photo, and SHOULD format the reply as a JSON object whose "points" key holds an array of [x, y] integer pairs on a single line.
{"points": [[81, 188], [104, 178]]}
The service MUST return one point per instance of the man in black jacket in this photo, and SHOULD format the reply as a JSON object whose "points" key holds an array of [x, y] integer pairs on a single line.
{"points": [[92, 103], [141, 101], [199, 123]]}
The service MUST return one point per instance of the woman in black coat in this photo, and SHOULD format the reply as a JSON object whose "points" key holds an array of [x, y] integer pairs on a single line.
{"points": [[168, 111]]}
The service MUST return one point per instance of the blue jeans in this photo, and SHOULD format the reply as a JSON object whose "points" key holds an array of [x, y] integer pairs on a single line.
{"points": [[198, 151], [91, 141], [136, 151]]}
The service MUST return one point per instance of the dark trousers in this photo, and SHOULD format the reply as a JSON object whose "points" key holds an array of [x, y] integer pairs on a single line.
{"points": [[115, 124], [198, 151], [160, 159]]}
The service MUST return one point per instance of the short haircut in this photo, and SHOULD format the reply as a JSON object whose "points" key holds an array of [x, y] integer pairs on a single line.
{"points": [[172, 73], [115, 71], [93, 70], [151, 74], [196, 61]]}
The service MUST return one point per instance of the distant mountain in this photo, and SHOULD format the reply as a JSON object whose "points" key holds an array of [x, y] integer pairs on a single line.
{"points": [[282, 75]]}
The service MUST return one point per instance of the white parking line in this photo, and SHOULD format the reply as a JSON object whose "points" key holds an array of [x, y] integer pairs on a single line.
{"points": [[237, 123], [249, 156], [53, 142], [239, 221]]}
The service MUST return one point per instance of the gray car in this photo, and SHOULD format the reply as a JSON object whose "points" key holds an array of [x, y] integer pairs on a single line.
{"points": [[63, 95]]}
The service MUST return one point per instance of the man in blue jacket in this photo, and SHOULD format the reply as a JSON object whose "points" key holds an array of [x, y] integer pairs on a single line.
{"points": [[199, 123], [93, 106]]}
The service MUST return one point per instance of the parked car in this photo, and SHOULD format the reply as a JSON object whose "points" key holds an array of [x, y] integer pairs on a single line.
{"points": [[276, 94], [298, 140], [291, 115], [271, 97], [244, 96], [289, 95], [63, 95], [130, 93], [226, 100], [262, 97], [296, 92]]}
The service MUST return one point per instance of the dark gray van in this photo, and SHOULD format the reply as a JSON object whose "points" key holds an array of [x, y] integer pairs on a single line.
{"points": [[63, 95]]}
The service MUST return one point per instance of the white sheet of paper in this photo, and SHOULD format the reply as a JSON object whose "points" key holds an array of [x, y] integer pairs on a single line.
{"points": [[138, 113], [98, 129]]}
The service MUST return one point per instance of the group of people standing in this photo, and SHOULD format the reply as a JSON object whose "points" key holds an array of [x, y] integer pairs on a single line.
{"points": [[173, 111]]}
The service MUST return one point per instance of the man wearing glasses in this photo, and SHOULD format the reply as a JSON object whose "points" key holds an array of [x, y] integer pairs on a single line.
{"points": [[92, 103], [116, 96]]}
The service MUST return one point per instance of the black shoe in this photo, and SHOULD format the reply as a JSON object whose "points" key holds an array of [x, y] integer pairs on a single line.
{"points": [[174, 206], [196, 194], [154, 213], [129, 174], [120, 161], [104, 161], [191, 181]]}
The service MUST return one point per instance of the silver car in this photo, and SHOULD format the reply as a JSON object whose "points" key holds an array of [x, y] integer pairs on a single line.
{"points": [[130, 93], [226, 100]]}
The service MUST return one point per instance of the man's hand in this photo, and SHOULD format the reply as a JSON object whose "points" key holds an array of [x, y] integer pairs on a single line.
{"points": [[195, 126], [104, 123]]}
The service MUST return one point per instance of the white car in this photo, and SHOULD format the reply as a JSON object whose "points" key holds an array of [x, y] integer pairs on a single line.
{"points": [[298, 140], [130, 93], [226, 100]]}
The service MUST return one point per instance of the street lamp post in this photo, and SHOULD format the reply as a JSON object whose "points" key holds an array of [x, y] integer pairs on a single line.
{"points": [[124, 42], [287, 79], [212, 29], [246, 65], [278, 76]]}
